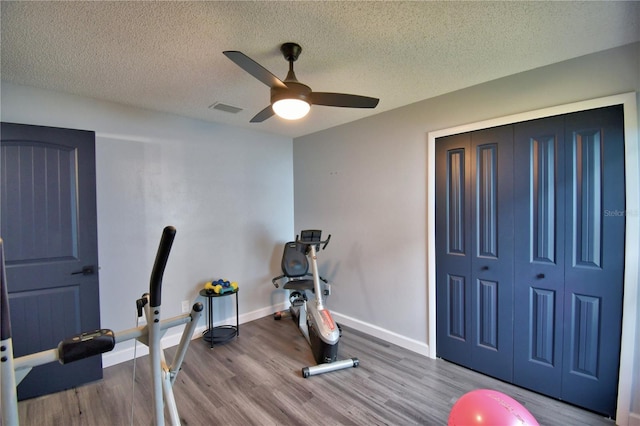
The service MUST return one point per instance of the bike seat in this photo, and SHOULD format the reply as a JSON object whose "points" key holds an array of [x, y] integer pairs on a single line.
{"points": [[300, 285]]}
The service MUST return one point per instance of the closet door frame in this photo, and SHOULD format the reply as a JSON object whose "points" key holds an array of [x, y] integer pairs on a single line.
{"points": [[632, 231]]}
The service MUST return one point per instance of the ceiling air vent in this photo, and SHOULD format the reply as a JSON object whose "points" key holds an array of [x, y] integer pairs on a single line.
{"points": [[226, 108]]}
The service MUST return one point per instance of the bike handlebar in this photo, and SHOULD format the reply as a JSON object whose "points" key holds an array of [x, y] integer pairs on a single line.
{"points": [[314, 243], [326, 242], [155, 285]]}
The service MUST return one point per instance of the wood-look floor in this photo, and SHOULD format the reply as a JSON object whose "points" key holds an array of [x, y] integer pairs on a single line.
{"points": [[256, 380]]}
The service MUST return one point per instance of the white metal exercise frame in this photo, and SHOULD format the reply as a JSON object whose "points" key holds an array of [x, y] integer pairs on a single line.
{"points": [[163, 375]]}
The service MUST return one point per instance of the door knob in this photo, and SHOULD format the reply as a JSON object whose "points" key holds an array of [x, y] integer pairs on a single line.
{"points": [[86, 270], [484, 268], [540, 276]]}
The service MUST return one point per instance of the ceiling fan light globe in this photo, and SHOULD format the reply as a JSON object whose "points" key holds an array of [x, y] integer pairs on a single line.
{"points": [[291, 109]]}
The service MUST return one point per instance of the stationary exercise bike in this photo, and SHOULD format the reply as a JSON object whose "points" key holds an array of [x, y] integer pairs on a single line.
{"points": [[84, 345], [313, 319]]}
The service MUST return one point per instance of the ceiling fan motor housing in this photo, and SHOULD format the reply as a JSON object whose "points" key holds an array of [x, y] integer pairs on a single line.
{"points": [[294, 90]]}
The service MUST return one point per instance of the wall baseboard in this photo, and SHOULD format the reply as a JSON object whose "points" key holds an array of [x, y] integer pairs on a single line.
{"points": [[381, 333]]}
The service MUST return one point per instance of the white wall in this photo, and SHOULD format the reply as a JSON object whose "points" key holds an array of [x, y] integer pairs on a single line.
{"points": [[228, 191], [366, 183]]}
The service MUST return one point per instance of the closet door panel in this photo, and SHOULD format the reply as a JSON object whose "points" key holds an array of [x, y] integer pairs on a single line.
{"points": [[492, 251], [594, 266], [539, 254], [453, 248]]}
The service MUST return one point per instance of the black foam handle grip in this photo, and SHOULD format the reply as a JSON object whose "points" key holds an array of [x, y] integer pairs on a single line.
{"points": [[85, 345], [5, 321], [155, 286]]}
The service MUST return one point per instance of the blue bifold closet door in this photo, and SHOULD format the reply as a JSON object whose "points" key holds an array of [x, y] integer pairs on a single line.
{"points": [[474, 250], [570, 256], [556, 258]]}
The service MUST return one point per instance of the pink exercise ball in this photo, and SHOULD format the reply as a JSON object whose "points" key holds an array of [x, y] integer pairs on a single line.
{"points": [[491, 408]]}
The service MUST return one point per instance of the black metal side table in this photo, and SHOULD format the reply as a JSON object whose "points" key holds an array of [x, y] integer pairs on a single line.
{"points": [[223, 333]]}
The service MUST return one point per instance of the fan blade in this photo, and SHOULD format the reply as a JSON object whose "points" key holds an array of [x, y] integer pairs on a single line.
{"points": [[343, 100], [262, 115], [254, 68]]}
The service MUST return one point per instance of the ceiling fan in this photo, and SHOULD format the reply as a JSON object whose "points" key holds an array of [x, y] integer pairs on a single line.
{"points": [[291, 99]]}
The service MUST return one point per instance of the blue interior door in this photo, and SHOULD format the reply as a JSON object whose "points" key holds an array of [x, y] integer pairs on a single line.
{"points": [[48, 225]]}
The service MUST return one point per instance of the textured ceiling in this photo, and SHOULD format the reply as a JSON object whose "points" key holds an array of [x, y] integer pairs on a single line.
{"points": [[167, 56]]}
